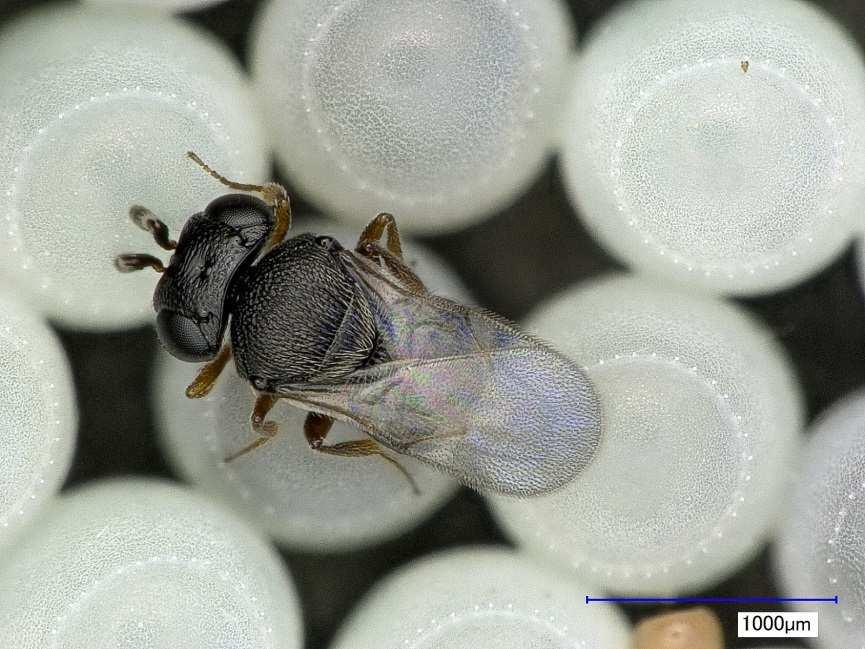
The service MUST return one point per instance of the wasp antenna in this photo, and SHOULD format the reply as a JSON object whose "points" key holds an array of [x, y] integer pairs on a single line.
{"points": [[274, 193], [136, 261], [225, 181]]}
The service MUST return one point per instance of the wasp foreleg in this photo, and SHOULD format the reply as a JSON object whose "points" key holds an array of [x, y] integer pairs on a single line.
{"points": [[208, 374]]}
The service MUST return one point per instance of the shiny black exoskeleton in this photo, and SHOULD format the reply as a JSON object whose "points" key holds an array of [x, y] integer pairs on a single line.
{"points": [[354, 335], [296, 316], [216, 247]]}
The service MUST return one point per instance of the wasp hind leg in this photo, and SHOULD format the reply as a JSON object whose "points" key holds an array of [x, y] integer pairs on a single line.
{"points": [[317, 426], [266, 430]]}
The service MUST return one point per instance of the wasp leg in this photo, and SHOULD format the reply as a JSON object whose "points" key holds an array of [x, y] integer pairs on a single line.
{"points": [[147, 221], [207, 375], [376, 228], [317, 426], [136, 261], [362, 447], [274, 193], [391, 257], [266, 430]]}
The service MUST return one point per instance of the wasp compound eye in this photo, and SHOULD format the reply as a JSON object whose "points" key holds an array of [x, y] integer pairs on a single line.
{"points": [[185, 337]]}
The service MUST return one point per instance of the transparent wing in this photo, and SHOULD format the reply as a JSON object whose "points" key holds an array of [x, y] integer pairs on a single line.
{"points": [[421, 325], [465, 391], [519, 421]]}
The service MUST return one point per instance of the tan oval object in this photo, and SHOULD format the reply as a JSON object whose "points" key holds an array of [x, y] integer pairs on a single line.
{"points": [[696, 628]]}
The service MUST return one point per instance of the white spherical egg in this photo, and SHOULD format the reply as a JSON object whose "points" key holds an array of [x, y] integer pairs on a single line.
{"points": [[304, 499], [144, 564], [440, 111], [38, 416], [700, 421], [821, 545], [480, 597], [718, 145], [97, 110]]}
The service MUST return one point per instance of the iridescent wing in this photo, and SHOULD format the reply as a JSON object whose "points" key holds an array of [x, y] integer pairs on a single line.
{"points": [[466, 392]]}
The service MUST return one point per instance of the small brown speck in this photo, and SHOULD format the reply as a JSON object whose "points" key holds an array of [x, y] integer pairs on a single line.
{"points": [[745, 65]]}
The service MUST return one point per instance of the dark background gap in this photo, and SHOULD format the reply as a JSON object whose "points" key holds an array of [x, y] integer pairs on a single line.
{"points": [[506, 262]]}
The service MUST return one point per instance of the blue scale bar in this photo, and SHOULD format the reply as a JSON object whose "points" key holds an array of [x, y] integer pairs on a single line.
{"points": [[711, 600]]}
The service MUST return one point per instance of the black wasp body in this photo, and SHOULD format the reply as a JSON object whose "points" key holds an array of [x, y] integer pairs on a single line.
{"points": [[354, 335], [298, 316]]}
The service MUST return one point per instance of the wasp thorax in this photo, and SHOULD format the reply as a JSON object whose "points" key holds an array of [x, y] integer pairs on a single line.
{"points": [[215, 244], [298, 316]]}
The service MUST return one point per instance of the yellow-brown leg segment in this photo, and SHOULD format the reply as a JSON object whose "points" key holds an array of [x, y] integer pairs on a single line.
{"points": [[266, 430], [362, 447], [368, 246], [377, 227], [207, 375], [316, 428], [273, 193]]}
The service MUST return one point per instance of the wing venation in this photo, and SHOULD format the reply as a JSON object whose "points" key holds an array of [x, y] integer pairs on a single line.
{"points": [[466, 392]]}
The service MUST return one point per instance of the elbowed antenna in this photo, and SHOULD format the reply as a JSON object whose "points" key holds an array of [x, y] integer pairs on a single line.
{"points": [[274, 193], [147, 221]]}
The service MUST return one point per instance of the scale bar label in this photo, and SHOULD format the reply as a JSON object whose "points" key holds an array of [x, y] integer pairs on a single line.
{"points": [[767, 624]]}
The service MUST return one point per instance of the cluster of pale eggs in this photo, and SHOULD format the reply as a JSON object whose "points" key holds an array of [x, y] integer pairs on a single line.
{"points": [[715, 148]]}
